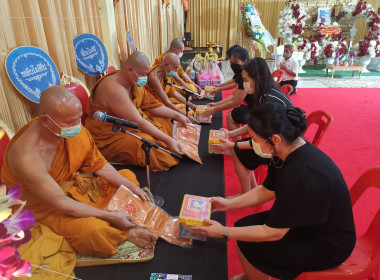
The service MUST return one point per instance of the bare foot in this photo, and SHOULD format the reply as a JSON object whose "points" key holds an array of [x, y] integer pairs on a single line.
{"points": [[141, 237], [239, 277]]}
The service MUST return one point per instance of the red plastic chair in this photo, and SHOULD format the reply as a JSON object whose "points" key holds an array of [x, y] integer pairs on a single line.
{"points": [[110, 69], [6, 134], [278, 74], [79, 89], [287, 89], [364, 260], [323, 120]]}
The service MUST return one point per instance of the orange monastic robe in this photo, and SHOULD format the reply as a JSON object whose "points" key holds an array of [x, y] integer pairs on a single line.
{"points": [[90, 236], [123, 148], [169, 90], [180, 71]]}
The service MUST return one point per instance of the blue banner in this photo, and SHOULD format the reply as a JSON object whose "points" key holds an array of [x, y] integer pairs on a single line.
{"points": [[31, 71], [90, 54]]}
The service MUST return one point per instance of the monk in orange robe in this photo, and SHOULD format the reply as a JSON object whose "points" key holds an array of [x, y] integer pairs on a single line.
{"points": [[122, 94], [48, 156], [165, 93], [181, 79]]}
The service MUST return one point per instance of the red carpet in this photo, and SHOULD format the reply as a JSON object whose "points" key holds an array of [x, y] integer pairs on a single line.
{"points": [[352, 141]]}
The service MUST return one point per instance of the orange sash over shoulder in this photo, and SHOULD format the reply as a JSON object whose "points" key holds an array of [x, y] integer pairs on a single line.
{"points": [[74, 157], [123, 148], [180, 71]]}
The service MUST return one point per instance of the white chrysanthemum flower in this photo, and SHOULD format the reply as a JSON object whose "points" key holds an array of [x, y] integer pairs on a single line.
{"points": [[372, 43]]}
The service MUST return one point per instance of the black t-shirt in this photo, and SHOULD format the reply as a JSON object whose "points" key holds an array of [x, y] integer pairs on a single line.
{"points": [[312, 198], [272, 95], [239, 80]]}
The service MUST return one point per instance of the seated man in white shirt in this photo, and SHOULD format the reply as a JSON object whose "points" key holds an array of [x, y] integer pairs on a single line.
{"points": [[290, 65]]}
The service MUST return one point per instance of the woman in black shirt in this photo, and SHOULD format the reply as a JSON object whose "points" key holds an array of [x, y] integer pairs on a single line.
{"points": [[310, 225], [260, 88]]}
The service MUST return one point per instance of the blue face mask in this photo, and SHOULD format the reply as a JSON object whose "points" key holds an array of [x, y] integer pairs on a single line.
{"points": [[141, 81], [171, 74], [67, 132]]}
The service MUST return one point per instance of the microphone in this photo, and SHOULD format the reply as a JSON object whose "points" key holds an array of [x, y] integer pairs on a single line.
{"points": [[166, 82], [100, 116]]}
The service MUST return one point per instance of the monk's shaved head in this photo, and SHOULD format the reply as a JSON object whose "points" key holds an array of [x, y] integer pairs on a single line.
{"points": [[56, 99], [137, 60], [176, 44], [172, 59]]}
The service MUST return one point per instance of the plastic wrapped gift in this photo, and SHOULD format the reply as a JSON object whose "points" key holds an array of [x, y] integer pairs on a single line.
{"points": [[189, 139], [147, 216], [216, 137], [199, 114], [193, 211], [209, 89]]}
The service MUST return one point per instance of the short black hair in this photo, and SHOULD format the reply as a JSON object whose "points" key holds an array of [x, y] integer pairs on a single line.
{"points": [[229, 51], [289, 46], [240, 53], [258, 70], [272, 118]]}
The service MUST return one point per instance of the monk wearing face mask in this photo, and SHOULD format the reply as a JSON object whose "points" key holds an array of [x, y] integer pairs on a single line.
{"points": [[165, 93], [49, 157], [181, 79], [122, 94]]}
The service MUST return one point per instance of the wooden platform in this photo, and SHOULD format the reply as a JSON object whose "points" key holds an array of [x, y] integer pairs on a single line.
{"points": [[342, 67]]}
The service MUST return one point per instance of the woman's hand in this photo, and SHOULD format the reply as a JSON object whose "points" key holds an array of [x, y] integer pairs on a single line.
{"points": [[209, 112], [213, 229], [221, 148], [211, 104], [219, 204]]}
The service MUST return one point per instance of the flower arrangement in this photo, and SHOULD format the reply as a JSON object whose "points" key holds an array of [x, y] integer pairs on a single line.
{"points": [[292, 20], [373, 22], [315, 50], [356, 10], [304, 46], [369, 46], [252, 22], [309, 47], [13, 232]]}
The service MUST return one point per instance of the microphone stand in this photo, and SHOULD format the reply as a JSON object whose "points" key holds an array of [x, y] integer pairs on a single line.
{"points": [[146, 146], [187, 95]]}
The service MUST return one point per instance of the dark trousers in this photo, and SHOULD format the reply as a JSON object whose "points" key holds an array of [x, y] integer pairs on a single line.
{"points": [[293, 83]]}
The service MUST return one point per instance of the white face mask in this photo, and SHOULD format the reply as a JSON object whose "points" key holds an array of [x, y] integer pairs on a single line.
{"points": [[247, 88], [258, 151], [180, 54]]}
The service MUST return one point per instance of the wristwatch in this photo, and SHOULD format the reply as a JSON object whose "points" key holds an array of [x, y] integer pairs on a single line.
{"points": [[236, 146], [225, 233]]}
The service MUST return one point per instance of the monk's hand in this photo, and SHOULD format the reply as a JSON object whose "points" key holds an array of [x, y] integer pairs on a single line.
{"points": [[121, 220], [213, 229], [175, 147], [193, 120], [192, 106], [220, 204], [223, 147], [199, 90], [183, 120], [138, 191]]}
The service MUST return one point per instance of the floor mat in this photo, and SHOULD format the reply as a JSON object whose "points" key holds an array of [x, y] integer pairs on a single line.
{"points": [[205, 260]]}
